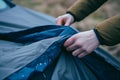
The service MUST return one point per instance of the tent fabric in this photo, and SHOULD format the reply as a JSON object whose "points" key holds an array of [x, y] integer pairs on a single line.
{"points": [[21, 19], [23, 46], [50, 39], [49, 44]]}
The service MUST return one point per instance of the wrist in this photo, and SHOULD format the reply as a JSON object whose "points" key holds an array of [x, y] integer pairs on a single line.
{"points": [[100, 39], [72, 15]]}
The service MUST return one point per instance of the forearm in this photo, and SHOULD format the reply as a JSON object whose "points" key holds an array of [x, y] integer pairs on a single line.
{"points": [[83, 8], [109, 30]]}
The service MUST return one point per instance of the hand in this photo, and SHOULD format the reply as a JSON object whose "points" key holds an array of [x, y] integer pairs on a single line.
{"points": [[66, 20], [82, 43]]}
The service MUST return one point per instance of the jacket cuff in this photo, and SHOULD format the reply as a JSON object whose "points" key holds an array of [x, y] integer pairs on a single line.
{"points": [[75, 19], [100, 39]]}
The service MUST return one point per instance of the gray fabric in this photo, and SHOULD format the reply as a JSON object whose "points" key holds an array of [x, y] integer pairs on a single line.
{"points": [[19, 18], [14, 56], [66, 69], [73, 68]]}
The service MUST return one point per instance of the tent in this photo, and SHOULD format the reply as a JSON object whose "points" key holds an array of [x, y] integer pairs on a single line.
{"points": [[31, 48]]}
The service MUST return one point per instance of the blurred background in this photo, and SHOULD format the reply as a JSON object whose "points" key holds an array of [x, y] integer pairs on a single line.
{"points": [[58, 7]]}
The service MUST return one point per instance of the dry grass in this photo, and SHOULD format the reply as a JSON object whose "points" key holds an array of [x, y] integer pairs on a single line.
{"points": [[59, 7]]}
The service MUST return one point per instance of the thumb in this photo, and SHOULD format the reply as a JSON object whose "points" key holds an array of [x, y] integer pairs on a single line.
{"points": [[68, 22]]}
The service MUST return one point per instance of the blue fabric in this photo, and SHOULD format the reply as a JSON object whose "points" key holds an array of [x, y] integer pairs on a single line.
{"points": [[101, 68], [35, 34]]}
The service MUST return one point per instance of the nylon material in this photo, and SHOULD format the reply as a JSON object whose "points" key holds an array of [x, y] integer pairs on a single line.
{"points": [[111, 60], [91, 67], [28, 55], [69, 69], [22, 19], [6, 71]]}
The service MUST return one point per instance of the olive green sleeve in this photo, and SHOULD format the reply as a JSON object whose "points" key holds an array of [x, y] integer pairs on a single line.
{"points": [[82, 8], [109, 30]]}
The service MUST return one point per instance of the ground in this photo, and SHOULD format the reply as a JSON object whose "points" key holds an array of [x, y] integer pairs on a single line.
{"points": [[58, 7]]}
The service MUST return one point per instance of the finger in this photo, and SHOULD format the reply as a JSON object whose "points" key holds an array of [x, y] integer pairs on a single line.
{"points": [[69, 41], [82, 54], [77, 52], [60, 22], [68, 23], [72, 47]]}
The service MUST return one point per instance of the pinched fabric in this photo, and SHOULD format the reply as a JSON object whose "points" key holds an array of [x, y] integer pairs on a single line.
{"points": [[28, 52]]}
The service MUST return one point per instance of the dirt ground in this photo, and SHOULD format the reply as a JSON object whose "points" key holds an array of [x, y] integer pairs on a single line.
{"points": [[58, 7]]}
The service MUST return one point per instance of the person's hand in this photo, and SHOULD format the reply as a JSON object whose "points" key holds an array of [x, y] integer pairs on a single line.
{"points": [[82, 43], [65, 19]]}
